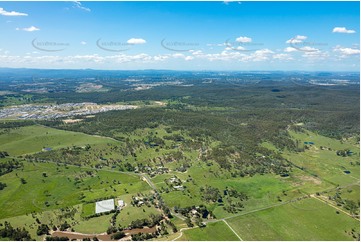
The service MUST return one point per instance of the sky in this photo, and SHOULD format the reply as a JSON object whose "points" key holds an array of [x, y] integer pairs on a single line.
{"points": [[231, 35]]}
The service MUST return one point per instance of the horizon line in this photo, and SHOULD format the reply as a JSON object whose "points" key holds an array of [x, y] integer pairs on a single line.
{"points": [[201, 70]]}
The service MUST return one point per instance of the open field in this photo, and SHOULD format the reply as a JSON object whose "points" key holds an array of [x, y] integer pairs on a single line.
{"points": [[325, 163], [31, 139], [263, 190], [93, 225], [49, 186], [213, 231], [55, 217], [129, 213], [308, 219]]}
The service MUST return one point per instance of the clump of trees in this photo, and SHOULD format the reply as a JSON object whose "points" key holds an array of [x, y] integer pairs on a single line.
{"points": [[56, 238], [118, 235], [9, 166], [189, 223], [210, 194], [344, 153], [64, 226], [154, 219], [143, 236], [17, 234], [3, 154], [42, 229], [2, 185]]}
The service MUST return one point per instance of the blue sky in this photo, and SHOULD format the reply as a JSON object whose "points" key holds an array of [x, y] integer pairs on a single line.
{"points": [[247, 35]]}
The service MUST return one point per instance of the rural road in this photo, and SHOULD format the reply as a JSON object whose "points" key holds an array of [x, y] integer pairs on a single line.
{"points": [[335, 207], [232, 229], [181, 232]]}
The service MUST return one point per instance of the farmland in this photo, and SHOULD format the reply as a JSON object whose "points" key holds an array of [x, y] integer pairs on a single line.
{"points": [[32, 139], [315, 221], [43, 182], [214, 231]]}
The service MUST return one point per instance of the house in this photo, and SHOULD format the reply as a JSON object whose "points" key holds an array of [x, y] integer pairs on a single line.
{"points": [[121, 203], [179, 188]]}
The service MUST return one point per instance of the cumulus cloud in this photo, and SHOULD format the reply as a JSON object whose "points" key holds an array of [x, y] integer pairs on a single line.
{"points": [[231, 55], [290, 49], [297, 39], [282, 56], [135, 41], [345, 51], [83, 43], [178, 55], [343, 30], [78, 5], [161, 57], [261, 55], [196, 52], [12, 13], [30, 29], [316, 55], [308, 49], [243, 39]]}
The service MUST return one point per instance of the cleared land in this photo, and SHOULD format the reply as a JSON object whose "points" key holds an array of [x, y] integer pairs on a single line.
{"points": [[63, 186], [308, 219], [321, 160], [213, 231], [31, 139]]}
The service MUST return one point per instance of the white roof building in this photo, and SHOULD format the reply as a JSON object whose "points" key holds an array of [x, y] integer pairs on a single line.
{"points": [[104, 206], [120, 203]]}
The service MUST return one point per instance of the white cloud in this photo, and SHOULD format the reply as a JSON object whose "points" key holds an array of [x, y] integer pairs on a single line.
{"points": [[261, 55], [264, 51], [241, 48], [282, 57], [308, 49], [316, 54], [134, 41], [244, 39], [188, 58], [77, 4], [290, 49], [196, 52], [12, 13], [297, 39], [226, 2], [161, 57], [233, 55], [83, 43], [178, 55], [343, 30], [345, 51], [30, 29]]}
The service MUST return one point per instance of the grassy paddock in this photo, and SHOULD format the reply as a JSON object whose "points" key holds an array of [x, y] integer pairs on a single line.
{"points": [[213, 231], [31, 139], [62, 187], [308, 219]]}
